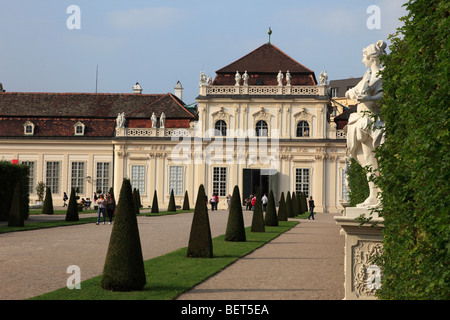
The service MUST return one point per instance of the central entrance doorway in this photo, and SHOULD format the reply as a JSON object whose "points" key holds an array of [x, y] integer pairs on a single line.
{"points": [[266, 179]]}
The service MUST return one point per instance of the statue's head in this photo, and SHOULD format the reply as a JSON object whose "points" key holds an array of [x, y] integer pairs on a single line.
{"points": [[373, 52]]}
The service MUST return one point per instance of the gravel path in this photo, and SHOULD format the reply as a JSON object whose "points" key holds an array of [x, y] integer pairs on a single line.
{"points": [[304, 263]]}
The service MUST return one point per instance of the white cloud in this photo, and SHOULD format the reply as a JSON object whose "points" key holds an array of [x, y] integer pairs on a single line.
{"points": [[157, 17]]}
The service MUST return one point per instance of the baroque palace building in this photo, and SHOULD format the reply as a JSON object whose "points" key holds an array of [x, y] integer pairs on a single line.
{"points": [[263, 121]]}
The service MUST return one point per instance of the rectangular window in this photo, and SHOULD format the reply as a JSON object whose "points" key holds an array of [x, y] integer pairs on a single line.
{"points": [[78, 176], [302, 181], [103, 177], [220, 181], [52, 175], [176, 180], [334, 92], [31, 174], [344, 185], [138, 178]]}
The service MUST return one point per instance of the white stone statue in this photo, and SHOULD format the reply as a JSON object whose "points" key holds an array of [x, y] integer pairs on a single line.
{"points": [[208, 81], [323, 78], [237, 77], [162, 120], [245, 77], [280, 78], [153, 120], [202, 78], [288, 78], [364, 132], [120, 120]]}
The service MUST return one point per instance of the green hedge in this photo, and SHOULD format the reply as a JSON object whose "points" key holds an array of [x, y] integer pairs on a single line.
{"points": [[415, 160], [10, 174]]}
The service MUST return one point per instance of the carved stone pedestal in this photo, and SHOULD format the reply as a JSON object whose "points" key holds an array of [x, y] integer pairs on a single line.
{"points": [[362, 243]]}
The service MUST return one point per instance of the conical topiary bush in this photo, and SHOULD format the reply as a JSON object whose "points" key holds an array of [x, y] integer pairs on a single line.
{"points": [[200, 241], [299, 203], [282, 215], [124, 265], [294, 205], [186, 201], [289, 209], [258, 216], [48, 202], [304, 202], [155, 207], [271, 218], [16, 217], [72, 208], [135, 201], [235, 227], [172, 207]]}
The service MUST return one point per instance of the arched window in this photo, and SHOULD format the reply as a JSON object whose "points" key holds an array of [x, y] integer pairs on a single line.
{"points": [[303, 129], [221, 128], [261, 129]]}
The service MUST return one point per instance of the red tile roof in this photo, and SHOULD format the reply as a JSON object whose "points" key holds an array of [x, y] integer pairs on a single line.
{"points": [[264, 63]]}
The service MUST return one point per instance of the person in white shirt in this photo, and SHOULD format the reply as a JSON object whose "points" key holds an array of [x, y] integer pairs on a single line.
{"points": [[264, 201]]}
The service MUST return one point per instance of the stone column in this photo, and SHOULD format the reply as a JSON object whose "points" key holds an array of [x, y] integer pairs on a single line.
{"points": [[362, 244]]}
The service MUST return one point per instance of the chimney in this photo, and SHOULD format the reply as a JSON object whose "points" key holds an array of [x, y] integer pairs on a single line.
{"points": [[179, 91], [137, 88]]}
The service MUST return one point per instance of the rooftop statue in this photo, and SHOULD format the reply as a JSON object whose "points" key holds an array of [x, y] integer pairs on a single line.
{"points": [[364, 128]]}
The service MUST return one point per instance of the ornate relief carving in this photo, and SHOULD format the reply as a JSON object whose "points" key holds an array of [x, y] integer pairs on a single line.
{"points": [[221, 115], [261, 115], [303, 115], [365, 275]]}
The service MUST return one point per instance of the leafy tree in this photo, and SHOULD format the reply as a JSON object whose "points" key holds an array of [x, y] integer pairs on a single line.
{"points": [[124, 265], [72, 207], [414, 161], [155, 207], [186, 201], [282, 215], [258, 216], [200, 240], [271, 218], [16, 217], [235, 226], [357, 183], [48, 202], [172, 207]]}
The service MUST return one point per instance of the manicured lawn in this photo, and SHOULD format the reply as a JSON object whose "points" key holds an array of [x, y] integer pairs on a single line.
{"points": [[172, 274]]}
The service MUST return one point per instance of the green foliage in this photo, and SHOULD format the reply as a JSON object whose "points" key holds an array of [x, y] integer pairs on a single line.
{"points": [[258, 216], [200, 240], [15, 213], [48, 202], [304, 202], [289, 209], [40, 190], [271, 218], [155, 207], [124, 264], [414, 161], [294, 205], [135, 196], [235, 226], [282, 214], [172, 207], [10, 175], [357, 183], [186, 202], [72, 207]]}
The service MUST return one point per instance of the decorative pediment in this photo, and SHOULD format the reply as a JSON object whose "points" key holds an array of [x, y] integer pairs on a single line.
{"points": [[261, 114], [303, 114], [221, 115]]}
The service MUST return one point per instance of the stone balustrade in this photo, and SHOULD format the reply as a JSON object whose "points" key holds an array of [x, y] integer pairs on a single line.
{"points": [[211, 90]]}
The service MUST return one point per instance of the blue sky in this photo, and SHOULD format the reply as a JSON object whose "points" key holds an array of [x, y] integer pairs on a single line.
{"points": [[158, 43]]}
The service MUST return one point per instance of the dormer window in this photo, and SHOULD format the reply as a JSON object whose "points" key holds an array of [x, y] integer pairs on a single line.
{"points": [[28, 128], [79, 129]]}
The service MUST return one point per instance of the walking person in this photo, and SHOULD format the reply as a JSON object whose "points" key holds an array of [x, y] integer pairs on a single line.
{"points": [[212, 201], [217, 200], [65, 198], [311, 208], [110, 206], [101, 202], [264, 202]]}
